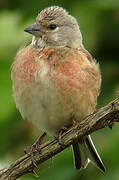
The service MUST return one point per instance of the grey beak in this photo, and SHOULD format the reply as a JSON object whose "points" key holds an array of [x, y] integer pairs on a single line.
{"points": [[32, 29]]}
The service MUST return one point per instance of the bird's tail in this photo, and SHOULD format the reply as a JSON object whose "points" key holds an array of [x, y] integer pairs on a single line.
{"points": [[85, 153]]}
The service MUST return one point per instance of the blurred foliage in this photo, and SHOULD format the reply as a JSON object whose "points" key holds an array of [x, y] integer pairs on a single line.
{"points": [[99, 22]]}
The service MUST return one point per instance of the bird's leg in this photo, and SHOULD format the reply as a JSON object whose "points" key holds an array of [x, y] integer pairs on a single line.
{"points": [[59, 135], [64, 129], [35, 147], [74, 122], [38, 142]]}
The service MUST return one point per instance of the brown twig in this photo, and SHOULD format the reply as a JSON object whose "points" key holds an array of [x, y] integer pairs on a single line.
{"points": [[105, 116]]}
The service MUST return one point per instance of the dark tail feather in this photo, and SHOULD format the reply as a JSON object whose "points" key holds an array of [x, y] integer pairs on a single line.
{"points": [[77, 155], [86, 152], [95, 158]]}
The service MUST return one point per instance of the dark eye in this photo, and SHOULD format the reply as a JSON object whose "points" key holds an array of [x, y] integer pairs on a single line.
{"points": [[52, 26]]}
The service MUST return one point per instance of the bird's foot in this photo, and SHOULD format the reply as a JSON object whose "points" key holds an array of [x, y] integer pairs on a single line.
{"points": [[35, 148], [74, 122], [59, 136]]}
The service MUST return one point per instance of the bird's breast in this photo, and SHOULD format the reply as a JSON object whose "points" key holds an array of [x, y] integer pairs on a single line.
{"points": [[50, 86]]}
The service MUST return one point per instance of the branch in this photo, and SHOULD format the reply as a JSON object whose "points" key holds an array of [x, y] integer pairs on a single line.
{"points": [[105, 116]]}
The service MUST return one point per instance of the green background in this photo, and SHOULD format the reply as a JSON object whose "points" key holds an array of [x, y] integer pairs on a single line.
{"points": [[99, 23]]}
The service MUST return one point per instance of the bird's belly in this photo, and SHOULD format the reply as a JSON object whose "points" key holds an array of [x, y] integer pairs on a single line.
{"points": [[42, 104]]}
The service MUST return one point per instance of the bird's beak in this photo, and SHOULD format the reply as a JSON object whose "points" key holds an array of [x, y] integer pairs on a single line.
{"points": [[33, 29]]}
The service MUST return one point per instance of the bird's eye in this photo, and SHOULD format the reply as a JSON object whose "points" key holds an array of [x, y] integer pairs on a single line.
{"points": [[52, 26]]}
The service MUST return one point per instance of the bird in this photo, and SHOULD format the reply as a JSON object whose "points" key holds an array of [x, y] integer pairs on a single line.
{"points": [[56, 81]]}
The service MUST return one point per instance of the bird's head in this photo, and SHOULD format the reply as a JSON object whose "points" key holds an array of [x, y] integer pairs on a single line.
{"points": [[54, 27]]}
